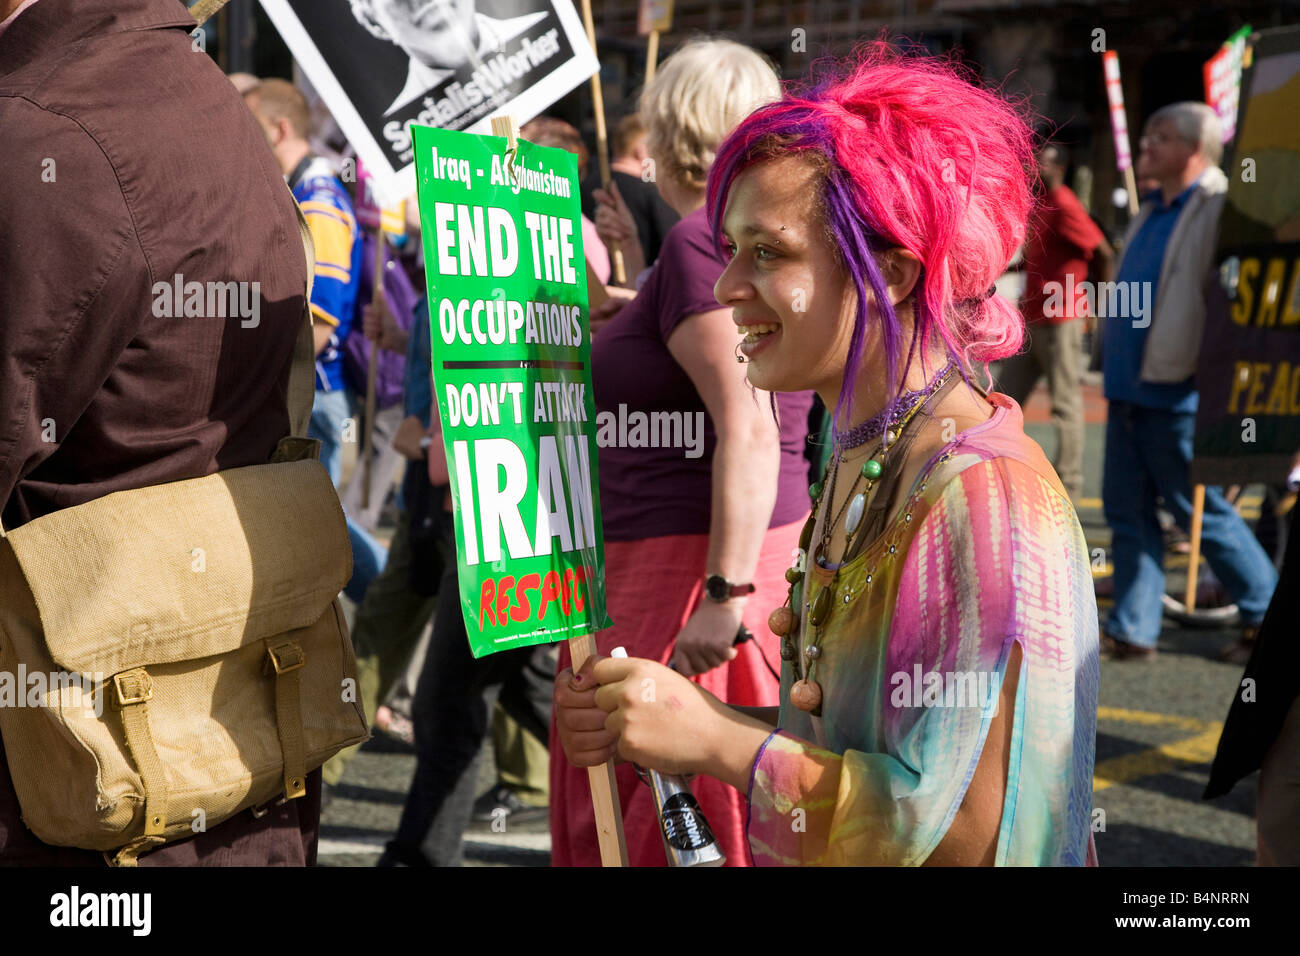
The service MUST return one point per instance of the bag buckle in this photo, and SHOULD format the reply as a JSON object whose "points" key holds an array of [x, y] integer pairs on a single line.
{"points": [[286, 657], [133, 687]]}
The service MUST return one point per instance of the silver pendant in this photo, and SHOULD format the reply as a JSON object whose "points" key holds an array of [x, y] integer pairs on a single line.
{"points": [[854, 518]]}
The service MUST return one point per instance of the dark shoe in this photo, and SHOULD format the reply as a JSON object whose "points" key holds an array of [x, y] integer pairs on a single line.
{"points": [[501, 797], [395, 854], [1239, 651], [1118, 650]]}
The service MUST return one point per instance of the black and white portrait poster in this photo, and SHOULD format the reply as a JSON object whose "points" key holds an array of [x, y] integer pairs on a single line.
{"points": [[381, 64]]}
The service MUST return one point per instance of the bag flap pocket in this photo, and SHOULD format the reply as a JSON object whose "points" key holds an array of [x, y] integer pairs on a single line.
{"points": [[186, 570]]}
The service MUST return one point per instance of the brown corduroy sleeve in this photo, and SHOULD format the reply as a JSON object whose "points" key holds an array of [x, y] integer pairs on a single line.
{"points": [[75, 283]]}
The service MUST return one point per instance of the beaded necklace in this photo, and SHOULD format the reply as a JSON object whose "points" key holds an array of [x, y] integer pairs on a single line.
{"points": [[806, 693], [859, 435]]}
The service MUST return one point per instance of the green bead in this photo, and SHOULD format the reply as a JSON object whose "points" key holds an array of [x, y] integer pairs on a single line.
{"points": [[805, 536], [821, 608], [815, 490], [871, 469]]}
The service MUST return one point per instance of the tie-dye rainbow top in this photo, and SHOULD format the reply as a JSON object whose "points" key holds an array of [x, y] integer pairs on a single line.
{"points": [[985, 552]]}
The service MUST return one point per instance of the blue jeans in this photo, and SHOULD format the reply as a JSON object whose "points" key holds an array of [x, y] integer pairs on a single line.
{"points": [[1148, 453], [330, 412]]}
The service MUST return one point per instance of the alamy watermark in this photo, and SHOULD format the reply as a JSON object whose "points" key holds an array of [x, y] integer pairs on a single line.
{"points": [[131, 911], [39, 689], [639, 429], [1115, 300], [208, 300], [487, 403], [918, 688]]}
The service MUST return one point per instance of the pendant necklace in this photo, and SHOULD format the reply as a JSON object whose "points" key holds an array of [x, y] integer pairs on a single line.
{"points": [[806, 693]]}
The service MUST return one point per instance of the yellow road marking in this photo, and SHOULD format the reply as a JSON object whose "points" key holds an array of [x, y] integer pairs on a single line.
{"points": [[1247, 505], [1197, 749], [1150, 718]]}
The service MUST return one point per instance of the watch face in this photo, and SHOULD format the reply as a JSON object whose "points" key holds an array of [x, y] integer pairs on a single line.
{"points": [[716, 587]]}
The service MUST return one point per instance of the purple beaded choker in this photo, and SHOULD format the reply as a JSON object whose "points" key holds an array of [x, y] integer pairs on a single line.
{"points": [[874, 427]]}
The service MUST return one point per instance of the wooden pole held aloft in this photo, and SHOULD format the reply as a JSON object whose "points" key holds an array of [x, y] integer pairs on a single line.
{"points": [[604, 788], [602, 138], [1130, 184], [1194, 554], [651, 56], [368, 443]]}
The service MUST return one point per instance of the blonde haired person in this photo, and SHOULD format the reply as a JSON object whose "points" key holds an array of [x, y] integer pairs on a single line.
{"points": [[700, 520], [696, 98]]}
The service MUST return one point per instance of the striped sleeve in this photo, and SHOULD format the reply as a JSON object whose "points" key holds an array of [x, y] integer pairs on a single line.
{"points": [[334, 231]]}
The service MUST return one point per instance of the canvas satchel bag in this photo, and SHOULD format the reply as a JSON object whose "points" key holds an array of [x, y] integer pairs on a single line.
{"points": [[178, 651]]}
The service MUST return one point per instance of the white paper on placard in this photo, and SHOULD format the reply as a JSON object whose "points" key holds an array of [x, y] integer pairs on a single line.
{"points": [[381, 64]]}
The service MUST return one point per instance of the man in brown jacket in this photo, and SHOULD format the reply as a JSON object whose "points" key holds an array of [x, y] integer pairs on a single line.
{"points": [[133, 169]]}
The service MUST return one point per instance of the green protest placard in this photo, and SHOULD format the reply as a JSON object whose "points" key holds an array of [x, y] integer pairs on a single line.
{"points": [[507, 282]]}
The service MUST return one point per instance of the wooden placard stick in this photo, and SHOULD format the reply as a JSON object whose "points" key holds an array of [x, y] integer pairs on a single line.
{"points": [[1194, 553], [651, 56], [1130, 186], [602, 138], [368, 441], [604, 789]]}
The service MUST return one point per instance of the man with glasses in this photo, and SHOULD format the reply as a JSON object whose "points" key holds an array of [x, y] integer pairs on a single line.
{"points": [[1150, 356]]}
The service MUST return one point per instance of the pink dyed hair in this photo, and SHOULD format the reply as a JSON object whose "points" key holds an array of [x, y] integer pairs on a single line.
{"points": [[913, 155]]}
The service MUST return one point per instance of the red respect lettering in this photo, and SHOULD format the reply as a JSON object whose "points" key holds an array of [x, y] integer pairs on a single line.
{"points": [[496, 607]]}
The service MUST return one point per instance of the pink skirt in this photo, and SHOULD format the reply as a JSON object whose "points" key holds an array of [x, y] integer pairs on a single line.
{"points": [[652, 587]]}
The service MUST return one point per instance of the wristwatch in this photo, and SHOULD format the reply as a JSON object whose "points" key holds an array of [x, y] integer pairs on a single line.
{"points": [[719, 589]]}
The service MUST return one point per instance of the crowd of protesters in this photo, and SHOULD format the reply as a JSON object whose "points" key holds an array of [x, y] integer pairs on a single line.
{"points": [[699, 550]]}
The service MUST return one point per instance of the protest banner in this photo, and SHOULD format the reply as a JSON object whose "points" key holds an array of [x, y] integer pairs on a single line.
{"points": [[1223, 80], [382, 64], [1119, 126], [511, 353], [1248, 420], [512, 374]]}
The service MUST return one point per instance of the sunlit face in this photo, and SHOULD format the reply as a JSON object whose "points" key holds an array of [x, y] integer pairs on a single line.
{"points": [[435, 32], [1163, 154], [790, 298]]}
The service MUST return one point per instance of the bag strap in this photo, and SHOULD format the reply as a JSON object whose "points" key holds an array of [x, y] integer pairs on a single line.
{"points": [[286, 658], [302, 375], [205, 9], [133, 689]]}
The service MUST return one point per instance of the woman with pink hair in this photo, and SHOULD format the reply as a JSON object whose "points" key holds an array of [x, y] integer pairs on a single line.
{"points": [[939, 685]]}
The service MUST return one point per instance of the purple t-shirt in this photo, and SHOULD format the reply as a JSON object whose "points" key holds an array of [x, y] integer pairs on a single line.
{"points": [[655, 435]]}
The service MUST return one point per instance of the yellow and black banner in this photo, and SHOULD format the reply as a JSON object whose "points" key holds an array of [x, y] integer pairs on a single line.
{"points": [[1248, 423]]}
